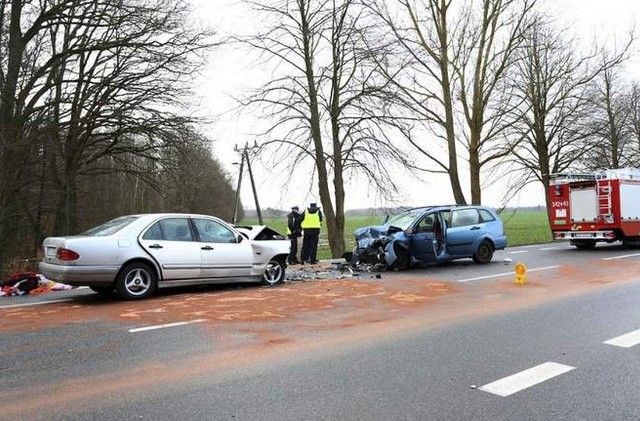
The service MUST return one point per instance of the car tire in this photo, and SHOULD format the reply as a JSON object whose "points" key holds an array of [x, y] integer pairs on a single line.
{"points": [[484, 254], [402, 258], [108, 290], [136, 281], [274, 273]]}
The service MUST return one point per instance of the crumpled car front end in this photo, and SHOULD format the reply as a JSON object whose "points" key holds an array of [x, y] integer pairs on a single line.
{"points": [[376, 245]]}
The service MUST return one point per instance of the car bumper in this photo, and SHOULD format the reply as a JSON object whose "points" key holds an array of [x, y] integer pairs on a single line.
{"points": [[79, 275]]}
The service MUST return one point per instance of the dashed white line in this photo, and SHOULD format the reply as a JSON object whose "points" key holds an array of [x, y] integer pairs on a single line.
{"points": [[497, 275], [142, 329], [39, 303], [548, 248], [516, 382], [518, 252], [625, 341], [622, 257]]}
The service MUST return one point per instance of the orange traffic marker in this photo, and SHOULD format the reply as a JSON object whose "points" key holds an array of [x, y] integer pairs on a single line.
{"points": [[521, 274]]}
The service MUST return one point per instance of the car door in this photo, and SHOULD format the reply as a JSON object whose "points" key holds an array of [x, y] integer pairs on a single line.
{"points": [[427, 239], [171, 242], [464, 230], [422, 235], [224, 253]]}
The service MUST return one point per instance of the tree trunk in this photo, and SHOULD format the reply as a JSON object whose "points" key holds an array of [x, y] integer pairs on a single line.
{"points": [[454, 178]]}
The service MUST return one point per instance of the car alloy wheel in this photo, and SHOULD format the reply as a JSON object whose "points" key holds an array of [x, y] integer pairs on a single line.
{"points": [[274, 273], [136, 281]]}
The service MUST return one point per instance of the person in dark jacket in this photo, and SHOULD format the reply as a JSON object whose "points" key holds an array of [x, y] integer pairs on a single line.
{"points": [[311, 224], [294, 231]]}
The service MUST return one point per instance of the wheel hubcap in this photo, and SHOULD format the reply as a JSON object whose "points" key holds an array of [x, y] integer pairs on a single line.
{"points": [[138, 282], [272, 273]]}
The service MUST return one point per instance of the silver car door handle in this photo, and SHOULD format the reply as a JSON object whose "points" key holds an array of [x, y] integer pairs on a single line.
{"points": [[206, 248], [155, 246]]}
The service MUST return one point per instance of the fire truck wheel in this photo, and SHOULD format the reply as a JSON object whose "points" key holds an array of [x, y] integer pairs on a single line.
{"points": [[484, 254], [585, 244]]}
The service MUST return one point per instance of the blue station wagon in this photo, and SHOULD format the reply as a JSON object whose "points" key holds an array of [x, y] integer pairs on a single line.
{"points": [[431, 234]]}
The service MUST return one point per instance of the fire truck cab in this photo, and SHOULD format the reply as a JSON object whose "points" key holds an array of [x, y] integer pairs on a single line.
{"points": [[602, 206]]}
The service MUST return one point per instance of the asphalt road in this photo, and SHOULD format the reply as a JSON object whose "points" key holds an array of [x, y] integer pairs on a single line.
{"points": [[453, 342]]}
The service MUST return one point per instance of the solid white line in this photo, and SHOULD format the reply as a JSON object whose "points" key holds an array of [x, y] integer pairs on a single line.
{"points": [[518, 252], [625, 341], [142, 329], [497, 275], [37, 304], [622, 257], [527, 378]]}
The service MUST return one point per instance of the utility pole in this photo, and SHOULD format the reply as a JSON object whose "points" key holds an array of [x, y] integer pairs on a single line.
{"points": [[244, 155], [235, 206]]}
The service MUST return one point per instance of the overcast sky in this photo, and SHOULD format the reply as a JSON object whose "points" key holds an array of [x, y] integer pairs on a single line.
{"points": [[230, 73]]}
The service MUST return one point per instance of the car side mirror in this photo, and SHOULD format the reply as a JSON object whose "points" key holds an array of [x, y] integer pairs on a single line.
{"points": [[239, 238], [408, 231]]}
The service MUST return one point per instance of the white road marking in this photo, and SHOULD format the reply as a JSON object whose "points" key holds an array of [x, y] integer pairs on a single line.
{"points": [[622, 257], [625, 341], [516, 382], [497, 275], [548, 248], [518, 252], [36, 304], [142, 329]]}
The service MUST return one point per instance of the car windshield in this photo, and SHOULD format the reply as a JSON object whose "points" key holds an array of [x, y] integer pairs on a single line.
{"points": [[404, 219], [110, 227]]}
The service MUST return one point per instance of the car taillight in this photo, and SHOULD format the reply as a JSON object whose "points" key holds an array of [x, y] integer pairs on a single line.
{"points": [[67, 255]]}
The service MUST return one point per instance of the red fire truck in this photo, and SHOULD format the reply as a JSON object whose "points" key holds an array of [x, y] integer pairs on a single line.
{"points": [[600, 206]]}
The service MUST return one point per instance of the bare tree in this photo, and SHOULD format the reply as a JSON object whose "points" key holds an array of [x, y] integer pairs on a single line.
{"points": [[610, 123], [81, 80], [490, 38], [327, 103], [421, 70], [633, 103], [554, 83], [455, 81]]}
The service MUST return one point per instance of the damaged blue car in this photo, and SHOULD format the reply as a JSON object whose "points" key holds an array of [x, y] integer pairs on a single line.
{"points": [[431, 234]]}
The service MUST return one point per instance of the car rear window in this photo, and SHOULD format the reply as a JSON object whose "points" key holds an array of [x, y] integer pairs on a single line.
{"points": [[485, 215], [110, 227]]}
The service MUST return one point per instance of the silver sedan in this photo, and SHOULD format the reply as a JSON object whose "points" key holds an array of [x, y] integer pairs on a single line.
{"points": [[134, 255]]}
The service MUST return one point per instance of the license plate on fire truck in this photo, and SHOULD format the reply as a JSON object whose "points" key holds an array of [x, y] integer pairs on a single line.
{"points": [[582, 235]]}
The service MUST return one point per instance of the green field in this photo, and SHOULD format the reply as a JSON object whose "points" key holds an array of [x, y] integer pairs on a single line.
{"points": [[522, 227]]}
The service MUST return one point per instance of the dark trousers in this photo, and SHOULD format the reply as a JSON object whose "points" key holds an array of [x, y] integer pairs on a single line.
{"points": [[293, 252], [310, 245]]}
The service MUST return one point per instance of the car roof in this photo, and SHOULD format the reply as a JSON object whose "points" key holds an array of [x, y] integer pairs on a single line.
{"points": [[173, 214], [441, 207]]}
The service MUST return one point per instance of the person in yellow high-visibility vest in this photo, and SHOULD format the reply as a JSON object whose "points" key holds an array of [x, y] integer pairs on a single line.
{"points": [[311, 224]]}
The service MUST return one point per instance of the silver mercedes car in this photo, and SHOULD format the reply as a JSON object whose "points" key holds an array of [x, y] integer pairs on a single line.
{"points": [[134, 255]]}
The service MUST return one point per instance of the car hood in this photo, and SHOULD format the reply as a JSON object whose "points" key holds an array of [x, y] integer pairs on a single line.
{"points": [[259, 232], [366, 236], [265, 240]]}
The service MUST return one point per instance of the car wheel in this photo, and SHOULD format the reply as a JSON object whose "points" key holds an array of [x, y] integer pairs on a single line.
{"points": [[136, 281], [484, 254], [274, 273], [103, 290], [402, 258]]}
